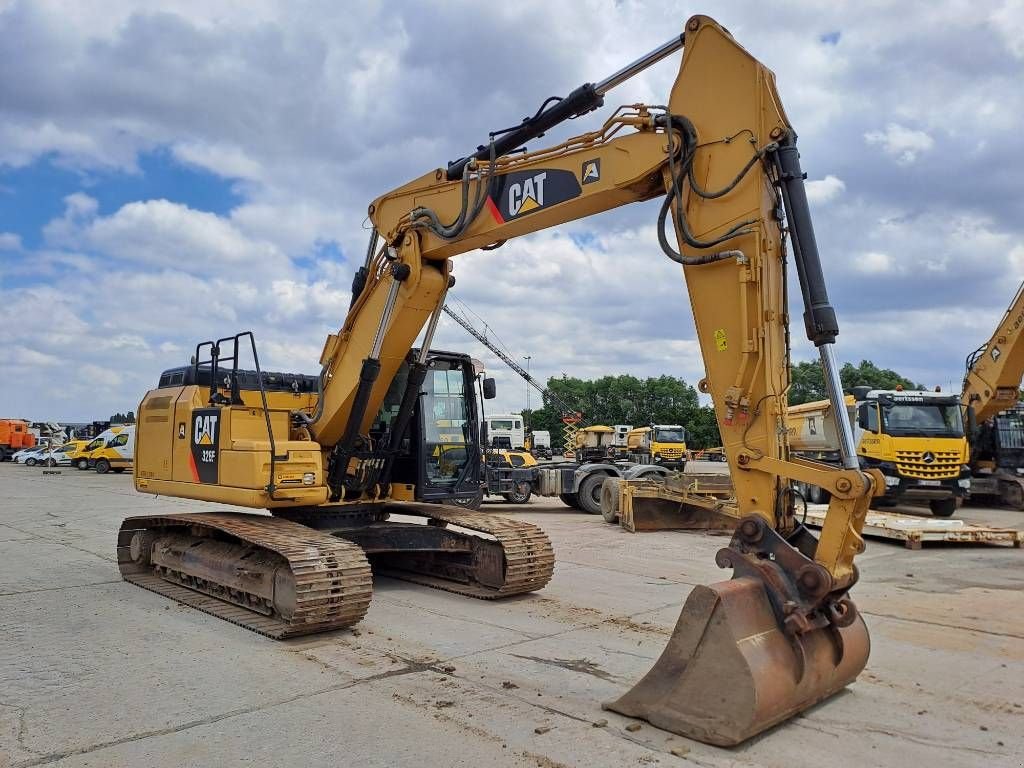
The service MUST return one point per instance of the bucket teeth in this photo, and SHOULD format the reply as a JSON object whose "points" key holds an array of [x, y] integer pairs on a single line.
{"points": [[729, 671]]}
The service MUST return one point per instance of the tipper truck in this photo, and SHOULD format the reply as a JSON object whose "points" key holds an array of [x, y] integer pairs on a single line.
{"points": [[916, 439], [14, 436]]}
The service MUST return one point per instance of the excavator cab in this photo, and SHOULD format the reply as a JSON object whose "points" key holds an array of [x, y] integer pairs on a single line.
{"points": [[439, 460]]}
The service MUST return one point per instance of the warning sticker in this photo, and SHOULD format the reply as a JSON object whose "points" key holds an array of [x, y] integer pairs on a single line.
{"points": [[721, 341]]}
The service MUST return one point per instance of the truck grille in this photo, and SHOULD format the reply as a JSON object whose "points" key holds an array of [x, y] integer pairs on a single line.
{"points": [[945, 464], [671, 453]]}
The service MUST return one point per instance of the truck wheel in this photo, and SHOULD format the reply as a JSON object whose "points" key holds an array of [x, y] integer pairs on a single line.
{"points": [[102, 466], [82, 463], [1011, 495], [610, 499], [943, 507], [590, 494], [817, 495], [521, 494], [473, 502], [570, 500]]}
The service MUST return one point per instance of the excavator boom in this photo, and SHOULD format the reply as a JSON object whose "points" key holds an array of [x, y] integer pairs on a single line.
{"points": [[995, 369]]}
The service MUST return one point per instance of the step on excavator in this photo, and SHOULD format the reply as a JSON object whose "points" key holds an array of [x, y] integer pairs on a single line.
{"points": [[747, 653]]}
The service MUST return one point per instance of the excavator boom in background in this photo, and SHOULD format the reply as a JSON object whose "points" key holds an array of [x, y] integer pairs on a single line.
{"points": [[991, 395], [747, 653]]}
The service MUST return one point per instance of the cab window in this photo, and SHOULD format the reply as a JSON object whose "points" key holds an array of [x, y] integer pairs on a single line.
{"points": [[121, 439]]}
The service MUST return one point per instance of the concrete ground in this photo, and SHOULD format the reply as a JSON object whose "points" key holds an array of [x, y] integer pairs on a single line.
{"points": [[97, 672]]}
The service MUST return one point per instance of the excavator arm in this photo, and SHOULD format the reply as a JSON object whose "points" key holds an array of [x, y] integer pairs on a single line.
{"points": [[995, 369], [722, 156]]}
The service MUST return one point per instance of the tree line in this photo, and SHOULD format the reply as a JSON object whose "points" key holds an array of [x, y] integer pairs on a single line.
{"points": [[627, 399], [123, 418]]}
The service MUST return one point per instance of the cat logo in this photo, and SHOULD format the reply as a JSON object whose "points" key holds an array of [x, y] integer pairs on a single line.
{"points": [[205, 454], [591, 171], [205, 429], [521, 192], [527, 195]]}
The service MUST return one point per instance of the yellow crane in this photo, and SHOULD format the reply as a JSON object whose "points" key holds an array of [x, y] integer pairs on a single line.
{"points": [[991, 394], [748, 652]]}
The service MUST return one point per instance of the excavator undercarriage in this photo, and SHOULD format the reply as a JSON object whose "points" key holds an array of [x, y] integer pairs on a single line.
{"points": [[311, 571]]}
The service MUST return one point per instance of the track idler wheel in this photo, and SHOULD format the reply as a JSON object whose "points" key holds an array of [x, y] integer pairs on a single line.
{"points": [[734, 667]]}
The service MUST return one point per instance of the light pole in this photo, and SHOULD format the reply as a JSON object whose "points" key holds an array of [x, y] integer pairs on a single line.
{"points": [[527, 359]]}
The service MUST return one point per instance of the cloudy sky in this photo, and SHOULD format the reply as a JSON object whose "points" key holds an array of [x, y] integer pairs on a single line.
{"points": [[176, 171]]}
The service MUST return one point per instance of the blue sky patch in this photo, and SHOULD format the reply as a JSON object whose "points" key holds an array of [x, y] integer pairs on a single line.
{"points": [[33, 195]]}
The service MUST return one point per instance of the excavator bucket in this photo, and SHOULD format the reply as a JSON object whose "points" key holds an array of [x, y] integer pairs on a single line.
{"points": [[689, 503], [730, 672]]}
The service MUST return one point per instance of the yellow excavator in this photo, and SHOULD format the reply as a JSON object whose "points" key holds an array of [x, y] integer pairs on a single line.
{"points": [[747, 653], [991, 393]]}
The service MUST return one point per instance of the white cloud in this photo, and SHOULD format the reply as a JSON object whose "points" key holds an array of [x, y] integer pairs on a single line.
{"points": [[874, 263], [10, 241], [223, 159], [1008, 21], [821, 191], [902, 143], [308, 118]]}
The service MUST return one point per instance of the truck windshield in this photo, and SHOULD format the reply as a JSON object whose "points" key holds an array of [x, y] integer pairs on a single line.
{"points": [[670, 435], [925, 420]]}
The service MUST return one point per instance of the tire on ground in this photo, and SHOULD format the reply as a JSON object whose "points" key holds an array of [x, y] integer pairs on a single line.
{"points": [[610, 499], [943, 507], [570, 499], [590, 494], [521, 494], [102, 466], [82, 463]]}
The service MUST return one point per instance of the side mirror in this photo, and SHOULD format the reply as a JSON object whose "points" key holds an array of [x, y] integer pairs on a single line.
{"points": [[863, 418], [972, 423], [490, 389]]}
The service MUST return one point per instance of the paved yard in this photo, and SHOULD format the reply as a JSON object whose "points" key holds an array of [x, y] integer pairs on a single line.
{"points": [[96, 672]]}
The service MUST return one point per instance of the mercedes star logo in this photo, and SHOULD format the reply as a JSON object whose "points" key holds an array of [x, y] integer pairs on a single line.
{"points": [[928, 457]]}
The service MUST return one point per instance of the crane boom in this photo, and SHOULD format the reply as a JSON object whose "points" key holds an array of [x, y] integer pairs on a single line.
{"points": [[570, 416], [480, 336]]}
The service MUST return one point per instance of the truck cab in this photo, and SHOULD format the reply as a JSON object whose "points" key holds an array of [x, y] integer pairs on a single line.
{"points": [[540, 443], [505, 430], [915, 437], [663, 444]]}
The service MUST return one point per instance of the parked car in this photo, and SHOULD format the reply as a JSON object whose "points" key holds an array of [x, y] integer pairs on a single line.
{"points": [[59, 457], [28, 456]]}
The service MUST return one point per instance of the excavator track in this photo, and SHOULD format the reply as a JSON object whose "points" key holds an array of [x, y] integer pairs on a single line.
{"points": [[332, 583], [529, 559]]}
